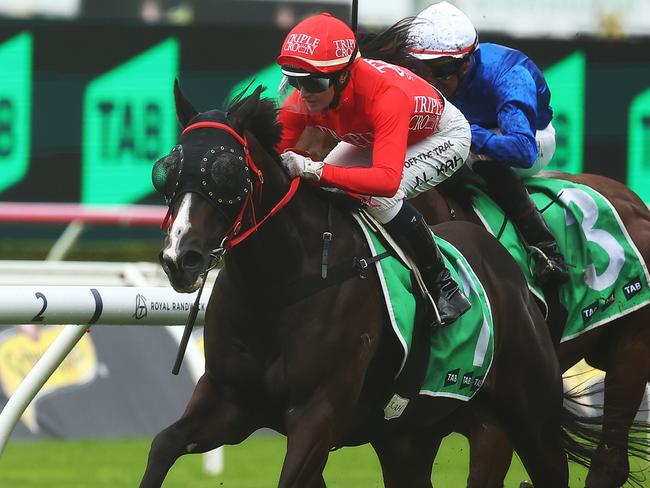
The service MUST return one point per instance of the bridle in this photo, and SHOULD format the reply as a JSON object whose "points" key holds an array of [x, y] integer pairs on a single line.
{"points": [[232, 237], [252, 194]]}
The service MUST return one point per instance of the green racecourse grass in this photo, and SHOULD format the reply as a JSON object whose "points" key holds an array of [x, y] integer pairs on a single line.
{"points": [[253, 464]]}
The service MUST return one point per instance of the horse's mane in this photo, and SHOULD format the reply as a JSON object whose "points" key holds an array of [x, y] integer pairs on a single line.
{"points": [[264, 123], [392, 45]]}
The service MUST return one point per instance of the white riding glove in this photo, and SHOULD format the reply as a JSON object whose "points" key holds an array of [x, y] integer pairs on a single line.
{"points": [[297, 165]]}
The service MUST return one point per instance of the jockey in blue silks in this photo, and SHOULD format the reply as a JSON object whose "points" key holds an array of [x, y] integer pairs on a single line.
{"points": [[504, 96]]}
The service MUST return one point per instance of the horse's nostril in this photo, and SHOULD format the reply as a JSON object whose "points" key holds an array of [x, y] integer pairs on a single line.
{"points": [[191, 260], [167, 262]]}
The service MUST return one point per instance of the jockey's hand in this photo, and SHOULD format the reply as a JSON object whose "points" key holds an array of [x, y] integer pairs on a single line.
{"points": [[297, 165]]}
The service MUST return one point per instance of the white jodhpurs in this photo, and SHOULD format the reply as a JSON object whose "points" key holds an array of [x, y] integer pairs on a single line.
{"points": [[428, 162], [545, 150]]}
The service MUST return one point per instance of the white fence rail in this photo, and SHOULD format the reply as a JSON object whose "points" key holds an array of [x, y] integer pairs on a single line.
{"points": [[31, 292]]}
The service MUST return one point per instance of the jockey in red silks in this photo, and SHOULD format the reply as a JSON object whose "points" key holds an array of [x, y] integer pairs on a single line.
{"points": [[398, 138], [506, 99]]}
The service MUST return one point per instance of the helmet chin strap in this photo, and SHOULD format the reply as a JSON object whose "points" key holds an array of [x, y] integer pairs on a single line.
{"points": [[342, 79]]}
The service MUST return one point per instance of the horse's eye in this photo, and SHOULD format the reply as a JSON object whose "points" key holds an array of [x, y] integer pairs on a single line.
{"points": [[164, 174]]}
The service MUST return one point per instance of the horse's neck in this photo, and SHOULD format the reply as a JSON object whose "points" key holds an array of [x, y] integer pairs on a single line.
{"points": [[289, 244]]}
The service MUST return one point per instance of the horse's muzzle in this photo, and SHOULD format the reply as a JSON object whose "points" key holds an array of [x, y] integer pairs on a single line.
{"points": [[184, 271]]}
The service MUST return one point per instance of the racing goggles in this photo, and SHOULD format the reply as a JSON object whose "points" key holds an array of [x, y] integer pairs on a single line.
{"points": [[444, 71], [312, 84]]}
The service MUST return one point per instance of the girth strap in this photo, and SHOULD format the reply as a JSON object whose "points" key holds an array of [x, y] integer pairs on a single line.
{"points": [[312, 284]]}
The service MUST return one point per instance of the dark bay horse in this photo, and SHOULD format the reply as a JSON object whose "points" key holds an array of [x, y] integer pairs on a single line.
{"points": [[319, 366], [620, 348]]}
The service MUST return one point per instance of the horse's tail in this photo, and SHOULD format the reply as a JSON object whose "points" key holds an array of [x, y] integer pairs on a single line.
{"points": [[581, 434], [392, 45]]}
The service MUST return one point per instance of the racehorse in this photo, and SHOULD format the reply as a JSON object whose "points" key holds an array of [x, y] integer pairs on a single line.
{"points": [[317, 362], [621, 348]]}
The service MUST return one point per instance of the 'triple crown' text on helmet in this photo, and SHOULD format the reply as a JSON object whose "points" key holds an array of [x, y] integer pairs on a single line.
{"points": [[318, 44], [442, 30]]}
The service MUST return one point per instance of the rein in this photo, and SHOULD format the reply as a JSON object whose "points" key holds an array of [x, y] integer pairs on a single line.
{"points": [[230, 240]]}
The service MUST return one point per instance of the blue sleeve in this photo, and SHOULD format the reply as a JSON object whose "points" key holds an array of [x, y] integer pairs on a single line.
{"points": [[516, 114]]}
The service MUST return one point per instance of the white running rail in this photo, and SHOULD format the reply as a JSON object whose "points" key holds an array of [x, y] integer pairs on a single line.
{"points": [[90, 294]]}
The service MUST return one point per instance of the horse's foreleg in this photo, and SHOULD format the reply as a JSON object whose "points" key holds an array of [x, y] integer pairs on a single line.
{"points": [[310, 436], [528, 406], [210, 420], [625, 383], [490, 455], [407, 460]]}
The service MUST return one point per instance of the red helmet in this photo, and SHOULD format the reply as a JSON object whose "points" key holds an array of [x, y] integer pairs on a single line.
{"points": [[318, 44]]}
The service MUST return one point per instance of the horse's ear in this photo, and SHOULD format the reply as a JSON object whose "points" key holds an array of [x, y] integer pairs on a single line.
{"points": [[242, 112], [185, 111]]}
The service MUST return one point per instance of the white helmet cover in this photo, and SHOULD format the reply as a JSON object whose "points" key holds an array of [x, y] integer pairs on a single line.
{"points": [[442, 30]]}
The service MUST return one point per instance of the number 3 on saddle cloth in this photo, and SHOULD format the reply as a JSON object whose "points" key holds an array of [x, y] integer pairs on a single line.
{"points": [[608, 278], [460, 355]]}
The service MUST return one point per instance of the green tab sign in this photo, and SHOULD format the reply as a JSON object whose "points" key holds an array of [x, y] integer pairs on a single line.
{"points": [[269, 77], [15, 108], [129, 122], [566, 80], [638, 165]]}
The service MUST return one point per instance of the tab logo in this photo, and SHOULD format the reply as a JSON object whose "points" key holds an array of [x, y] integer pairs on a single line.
{"points": [[129, 121], [15, 108], [589, 311], [467, 381], [632, 288], [478, 382], [451, 378]]}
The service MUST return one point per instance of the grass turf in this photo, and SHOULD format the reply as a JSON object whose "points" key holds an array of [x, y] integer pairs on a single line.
{"points": [[254, 464]]}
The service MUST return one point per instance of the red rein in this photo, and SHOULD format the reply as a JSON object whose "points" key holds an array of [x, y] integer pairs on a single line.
{"points": [[231, 240]]}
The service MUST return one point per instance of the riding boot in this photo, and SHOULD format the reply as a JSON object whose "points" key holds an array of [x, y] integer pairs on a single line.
{"points": [[549, 262], [412, 232], [511, 195]]}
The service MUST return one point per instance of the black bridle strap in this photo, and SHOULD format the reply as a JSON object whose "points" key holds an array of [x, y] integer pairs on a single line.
{"points": [[232, 241], [229, 241], [285, 296], [327, 241]]}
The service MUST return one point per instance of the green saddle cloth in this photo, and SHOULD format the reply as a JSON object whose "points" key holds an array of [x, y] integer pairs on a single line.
{"points": [[461, 353], [607, 275]]}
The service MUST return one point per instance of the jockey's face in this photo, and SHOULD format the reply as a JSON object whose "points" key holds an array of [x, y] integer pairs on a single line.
{"points": [[447, 73], [317, 102], [318, 90]]}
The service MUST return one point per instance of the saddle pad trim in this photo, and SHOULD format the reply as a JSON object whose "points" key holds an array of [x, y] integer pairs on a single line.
{"points": [[384, 289]]}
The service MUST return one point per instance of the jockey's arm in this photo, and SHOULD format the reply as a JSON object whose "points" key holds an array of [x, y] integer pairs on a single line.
{"points": [[516, 115], [390, 119]]}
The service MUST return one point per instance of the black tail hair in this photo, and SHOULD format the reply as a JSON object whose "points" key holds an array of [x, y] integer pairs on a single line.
{"points": [[580, 435]]}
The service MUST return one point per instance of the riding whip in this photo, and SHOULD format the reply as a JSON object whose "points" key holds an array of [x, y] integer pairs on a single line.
{"points": [[189, 325]]}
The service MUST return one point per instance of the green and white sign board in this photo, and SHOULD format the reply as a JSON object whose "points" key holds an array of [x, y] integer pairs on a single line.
{"points": [[638, 164], [566, 79], [269, 77], [15, 108], [129, 121]]}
